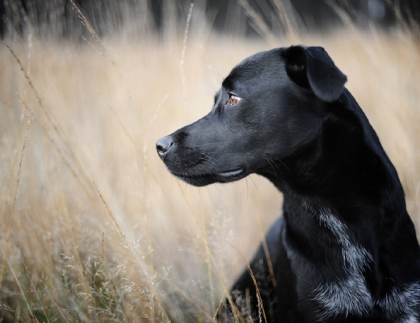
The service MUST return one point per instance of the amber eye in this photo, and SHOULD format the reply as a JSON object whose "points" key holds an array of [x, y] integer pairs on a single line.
{"points": [[233, 99]]}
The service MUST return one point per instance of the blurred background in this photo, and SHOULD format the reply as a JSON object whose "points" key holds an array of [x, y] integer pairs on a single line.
{"points": [[163, 17], [93, 227]]}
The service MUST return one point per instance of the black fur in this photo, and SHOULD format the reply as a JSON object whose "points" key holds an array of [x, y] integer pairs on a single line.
{"points": [[345, 249]]}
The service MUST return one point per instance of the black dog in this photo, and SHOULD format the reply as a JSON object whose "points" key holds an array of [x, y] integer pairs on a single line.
{"points": [[346, 249]]}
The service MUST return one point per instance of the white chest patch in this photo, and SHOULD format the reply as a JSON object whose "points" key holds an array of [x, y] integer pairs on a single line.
{"points": [[354, 256], [350, 295]]}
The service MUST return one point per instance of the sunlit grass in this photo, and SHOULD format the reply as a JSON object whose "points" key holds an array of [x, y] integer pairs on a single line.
{"points": [[94, 229]]}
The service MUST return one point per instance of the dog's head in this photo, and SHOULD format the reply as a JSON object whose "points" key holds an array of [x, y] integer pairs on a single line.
{"points": [[269, 106]]}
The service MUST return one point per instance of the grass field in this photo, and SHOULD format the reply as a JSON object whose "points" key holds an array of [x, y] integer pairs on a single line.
{"points": [[93, 227]]}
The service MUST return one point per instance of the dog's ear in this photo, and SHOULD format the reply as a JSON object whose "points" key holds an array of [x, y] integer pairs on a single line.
{"points": [[313, 68]]}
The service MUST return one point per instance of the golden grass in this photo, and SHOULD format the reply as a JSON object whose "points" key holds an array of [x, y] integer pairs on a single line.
{"points": [[94, 229]]}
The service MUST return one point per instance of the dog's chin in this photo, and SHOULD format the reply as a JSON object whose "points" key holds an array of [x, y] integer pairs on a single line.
{"points": [[211, 178]]}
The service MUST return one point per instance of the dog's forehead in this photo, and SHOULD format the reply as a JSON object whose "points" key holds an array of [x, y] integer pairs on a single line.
{"points": [[260, 61], [253, 68]]}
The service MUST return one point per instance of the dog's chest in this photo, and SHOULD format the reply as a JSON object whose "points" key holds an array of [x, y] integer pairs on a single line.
{"points": [[349, 295]]}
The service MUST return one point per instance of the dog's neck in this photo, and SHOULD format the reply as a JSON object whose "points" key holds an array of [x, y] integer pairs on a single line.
{"points": [[344, 168]]}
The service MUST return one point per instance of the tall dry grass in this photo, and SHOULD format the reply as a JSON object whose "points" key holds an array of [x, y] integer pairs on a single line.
{"points": [[94, 229]]}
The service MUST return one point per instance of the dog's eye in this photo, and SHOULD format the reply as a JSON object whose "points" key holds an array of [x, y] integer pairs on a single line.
{"points": [[233, 99]]}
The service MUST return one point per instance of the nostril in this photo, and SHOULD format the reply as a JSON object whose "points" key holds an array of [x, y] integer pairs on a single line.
{"points": [[164, 145], [162, 149]]}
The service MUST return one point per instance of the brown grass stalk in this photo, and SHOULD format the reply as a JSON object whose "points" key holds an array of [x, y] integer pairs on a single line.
{"points": [[123, 236]]}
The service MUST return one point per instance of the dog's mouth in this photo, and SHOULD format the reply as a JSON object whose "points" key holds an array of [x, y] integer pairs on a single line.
{"points": [[209, 178], [231, 173]]}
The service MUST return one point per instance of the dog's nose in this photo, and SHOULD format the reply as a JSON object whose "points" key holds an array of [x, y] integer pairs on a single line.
{"points": [[163, 145]]}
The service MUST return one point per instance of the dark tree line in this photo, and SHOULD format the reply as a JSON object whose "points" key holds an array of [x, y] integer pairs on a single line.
{"points": [[62, 18]]}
